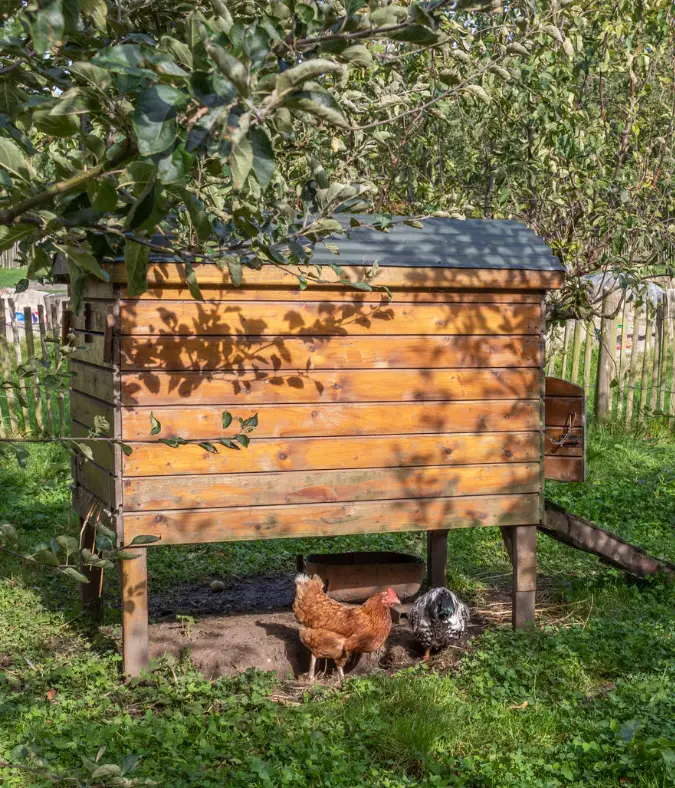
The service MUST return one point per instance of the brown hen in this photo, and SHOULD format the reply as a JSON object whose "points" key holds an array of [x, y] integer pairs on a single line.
{"points": [[333, 630]]}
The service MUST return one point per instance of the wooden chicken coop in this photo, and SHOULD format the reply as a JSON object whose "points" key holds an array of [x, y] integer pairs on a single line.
{"points": [[425, 411]]}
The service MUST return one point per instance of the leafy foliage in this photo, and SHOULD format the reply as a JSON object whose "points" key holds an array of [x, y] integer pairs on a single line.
{"points": [[216, 133]]}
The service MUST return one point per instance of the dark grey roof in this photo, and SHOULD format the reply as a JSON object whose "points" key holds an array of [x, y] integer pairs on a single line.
{"points": [[440, 243]]}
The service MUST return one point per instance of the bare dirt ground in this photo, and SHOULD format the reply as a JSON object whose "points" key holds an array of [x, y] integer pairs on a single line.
{"points": [[251, 625]]}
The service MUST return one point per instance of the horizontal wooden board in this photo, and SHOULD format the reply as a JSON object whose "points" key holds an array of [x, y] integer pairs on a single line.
{"points": [[294, 421], [96, 288], [564, 469], [558, 410], [162, 274], [295, 454], [96, 481], [94, 381], [102, 451], [331, 519], [379, 352], [85, 409], [262, 489], [379, 385], [91, 348], [281, 318], [336, 295]]}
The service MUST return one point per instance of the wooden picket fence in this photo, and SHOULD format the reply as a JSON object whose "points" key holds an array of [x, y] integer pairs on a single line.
{"points": [[626, 363], [10, 257], [30, 408]]}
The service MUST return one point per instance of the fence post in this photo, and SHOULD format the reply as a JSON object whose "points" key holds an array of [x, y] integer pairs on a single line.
{"points": [[57, 358], [656, 358], [5, 370], [30, 355], [42, 322], [602, 387], [576, 352], [21, 404], [588, 355], [645, 362], [565, 347], [621, 374], [663, 366], [632, 366]]}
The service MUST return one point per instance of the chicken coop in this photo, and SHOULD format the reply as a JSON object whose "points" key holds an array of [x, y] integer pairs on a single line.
{"points": [[419, 405]]}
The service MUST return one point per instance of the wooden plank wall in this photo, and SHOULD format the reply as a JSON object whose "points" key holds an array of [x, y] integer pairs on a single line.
{"points": [[93, 393], [375, 415]]}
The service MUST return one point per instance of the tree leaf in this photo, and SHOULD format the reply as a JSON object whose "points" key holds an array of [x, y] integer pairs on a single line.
{"points": [[227, 419], [358, 55], [126, 555], [553, 31], [46, 557], [97, 11], [12, 160], [209, 447], [517, 49], [142, 539], [263, 156], [136, 263], [241, 162], [319, 103], [84, 449], [480, 92], [236, 274], [310, 69], [251, 423], [193, 285], [156, 426], [200, 220], [231, 68], [72, 572], [174, 167], [415, 34], [13, 234], [91, 74], [69, 543], [56, 126], [47, 27], [154, 118], [102, 194], [84, 260], [243, 439], [229, 444]]}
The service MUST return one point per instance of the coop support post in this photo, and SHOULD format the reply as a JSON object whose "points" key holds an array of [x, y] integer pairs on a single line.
{"points": [[134, 585], [437, 558], [524, 557], [90, 595]]}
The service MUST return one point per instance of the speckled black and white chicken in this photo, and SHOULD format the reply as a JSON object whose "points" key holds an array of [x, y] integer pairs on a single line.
{"points": [[437, 618]]}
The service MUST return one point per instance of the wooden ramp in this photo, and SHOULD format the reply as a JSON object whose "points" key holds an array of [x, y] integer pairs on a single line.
{"points": [[587, 536]]}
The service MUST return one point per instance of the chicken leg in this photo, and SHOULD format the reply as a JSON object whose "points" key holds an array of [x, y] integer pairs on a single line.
{"points": [[426, 656], [312, 669]]}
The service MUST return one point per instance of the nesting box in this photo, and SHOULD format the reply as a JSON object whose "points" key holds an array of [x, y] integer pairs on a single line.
{"points": [[417, 405]]}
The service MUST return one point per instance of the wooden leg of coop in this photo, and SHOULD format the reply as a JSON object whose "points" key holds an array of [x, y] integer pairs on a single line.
{"points": [[134, 584], [437, 558], [524, 558], [90, 595]]}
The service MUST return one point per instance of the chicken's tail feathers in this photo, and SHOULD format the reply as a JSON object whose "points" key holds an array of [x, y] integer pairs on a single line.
{"points": [[307, 591]]}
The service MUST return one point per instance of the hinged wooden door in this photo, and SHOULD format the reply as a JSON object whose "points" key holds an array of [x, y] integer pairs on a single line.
{"points": [[565, 440]]}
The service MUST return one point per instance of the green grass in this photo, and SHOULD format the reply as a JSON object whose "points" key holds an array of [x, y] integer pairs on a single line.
{"points": [[10, 276], [588, 698]]}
